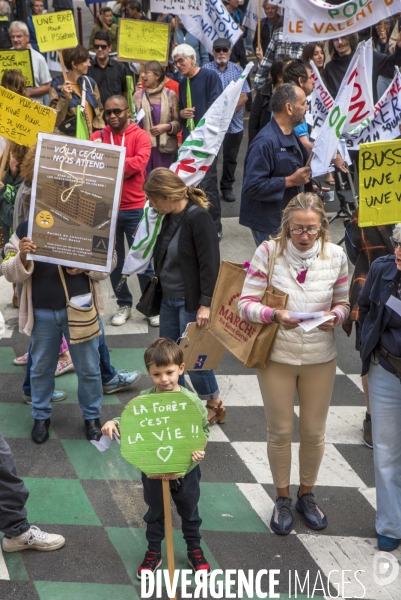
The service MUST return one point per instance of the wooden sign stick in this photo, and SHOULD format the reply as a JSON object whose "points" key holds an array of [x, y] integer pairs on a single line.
{"points": [[61, 59], [309, 159], [4, 158], [175, 29], [259, 9], [168, 527]]}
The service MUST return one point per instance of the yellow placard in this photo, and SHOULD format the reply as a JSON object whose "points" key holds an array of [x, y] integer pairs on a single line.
{"points": [[379, 183], [18, 60], [55, 31], [21, 119], [140, 41]]}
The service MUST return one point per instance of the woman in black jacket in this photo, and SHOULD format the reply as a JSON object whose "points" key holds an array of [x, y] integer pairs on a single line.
{"points": [[188, 249]]}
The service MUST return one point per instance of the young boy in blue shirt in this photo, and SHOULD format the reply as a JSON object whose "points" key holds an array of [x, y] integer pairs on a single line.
{"points": [[164, 361]]}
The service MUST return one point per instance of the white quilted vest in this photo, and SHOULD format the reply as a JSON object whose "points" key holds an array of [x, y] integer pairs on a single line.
{"points": [[295, 346]]}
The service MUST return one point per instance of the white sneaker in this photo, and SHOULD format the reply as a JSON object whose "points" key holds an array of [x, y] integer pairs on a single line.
{"points": [[121, 316], [34, 539], [154, 321]]}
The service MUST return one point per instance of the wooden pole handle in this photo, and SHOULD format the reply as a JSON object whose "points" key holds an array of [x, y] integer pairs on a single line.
{"points": [[309, 159], [259, 11], [168, 527], [4, 158], [61, 59]]}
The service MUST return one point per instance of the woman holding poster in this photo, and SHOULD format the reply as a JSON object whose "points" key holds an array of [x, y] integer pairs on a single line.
{"points": [[380, 323], [79, 90], [301, 262]]}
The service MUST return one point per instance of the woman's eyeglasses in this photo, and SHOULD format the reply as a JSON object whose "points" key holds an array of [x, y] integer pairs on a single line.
{"points": [[309, 231], [395, 243], [114, 111]]}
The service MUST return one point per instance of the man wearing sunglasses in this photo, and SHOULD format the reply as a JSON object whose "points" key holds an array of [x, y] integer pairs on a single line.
{"points": [[120, 131], [227, 72], [109, 74]]}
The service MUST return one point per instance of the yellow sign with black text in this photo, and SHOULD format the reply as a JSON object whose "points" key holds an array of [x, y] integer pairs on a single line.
{"points": [[141, 41], [55, 31], [17, 60], [21, 119], [379, 183]]}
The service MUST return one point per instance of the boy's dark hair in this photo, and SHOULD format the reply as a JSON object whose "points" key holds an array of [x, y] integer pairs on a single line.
{"points": [[295, 70], [162, 353], [102, 35]]}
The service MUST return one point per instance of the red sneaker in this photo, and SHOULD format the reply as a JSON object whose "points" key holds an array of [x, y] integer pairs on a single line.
{"points": [[151, 562], [197, 561]]}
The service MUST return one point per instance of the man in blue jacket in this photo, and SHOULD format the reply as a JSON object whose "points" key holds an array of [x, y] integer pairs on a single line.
{"points": [[274, 169]]}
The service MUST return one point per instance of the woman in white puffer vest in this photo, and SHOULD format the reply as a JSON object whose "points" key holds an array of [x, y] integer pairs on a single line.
{"points": [[314, 274]]}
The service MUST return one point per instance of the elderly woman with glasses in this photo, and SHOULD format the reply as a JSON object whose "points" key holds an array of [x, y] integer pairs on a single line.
{"points": [[380, 323], [314, 274]]}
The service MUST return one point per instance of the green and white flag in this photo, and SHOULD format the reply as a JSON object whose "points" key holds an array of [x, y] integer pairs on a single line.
{"points": [[194, 159]]}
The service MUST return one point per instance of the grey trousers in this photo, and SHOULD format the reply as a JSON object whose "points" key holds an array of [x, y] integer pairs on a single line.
{"points": [[13, 495]]}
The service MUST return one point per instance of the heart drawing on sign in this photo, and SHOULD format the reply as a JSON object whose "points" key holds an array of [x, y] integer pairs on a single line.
{"points": [[164, 453]]}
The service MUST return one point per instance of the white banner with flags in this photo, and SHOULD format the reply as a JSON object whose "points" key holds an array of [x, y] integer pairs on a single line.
{"points": [[353, 104], [216, 22], [384, 124], [250, 19], [306, 20], [194, 159]]}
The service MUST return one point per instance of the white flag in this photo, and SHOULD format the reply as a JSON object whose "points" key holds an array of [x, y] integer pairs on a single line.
{"points": [[250, 19], [353, 104], [194, 159], [306, 20], [385, 122], [216, 22], [320, 103]]}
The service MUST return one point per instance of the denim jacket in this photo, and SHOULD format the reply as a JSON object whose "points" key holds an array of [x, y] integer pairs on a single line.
{"points": [[374, 315]]}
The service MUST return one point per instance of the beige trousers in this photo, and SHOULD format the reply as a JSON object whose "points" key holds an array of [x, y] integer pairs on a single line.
{"points": [[278, 384]]}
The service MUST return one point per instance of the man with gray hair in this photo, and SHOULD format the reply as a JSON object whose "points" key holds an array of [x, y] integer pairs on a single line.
{"points": [[274, 168], [19, 35], [205, 87]]}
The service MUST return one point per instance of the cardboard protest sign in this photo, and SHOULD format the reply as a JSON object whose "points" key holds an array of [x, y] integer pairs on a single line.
{"points": [[74, 202], [214, 23], [177, 7], [159, 432], [55, 31], [379, 183], [201, 350], [18, 60], [21, 119], [141, 41], [306, 20]]}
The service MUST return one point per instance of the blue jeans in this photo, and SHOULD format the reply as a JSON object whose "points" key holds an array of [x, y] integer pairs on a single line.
{"points": [[127, 222], [107, 371], [13, 494], [261, 236], [45, 344], [385, 408], [173, 321]]}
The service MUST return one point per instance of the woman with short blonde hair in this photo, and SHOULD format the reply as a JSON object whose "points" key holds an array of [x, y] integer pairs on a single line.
{"points": [[314, 274]]}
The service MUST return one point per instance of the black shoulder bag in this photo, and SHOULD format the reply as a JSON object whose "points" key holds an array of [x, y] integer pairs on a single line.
{"points": [[150, 301]]}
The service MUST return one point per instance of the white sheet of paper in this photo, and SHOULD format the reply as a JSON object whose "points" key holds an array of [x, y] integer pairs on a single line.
{"points": [[313, 323], [103, 444], [140, 116], [307, 316], [82, 300], [395, 304]]}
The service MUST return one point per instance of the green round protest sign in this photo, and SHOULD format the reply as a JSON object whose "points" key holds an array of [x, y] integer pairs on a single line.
{"points": [[159, 432]]}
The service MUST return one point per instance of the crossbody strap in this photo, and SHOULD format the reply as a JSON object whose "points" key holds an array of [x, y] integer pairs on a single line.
{"points": [[160, 266], [272, 258], [60, 270]]}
